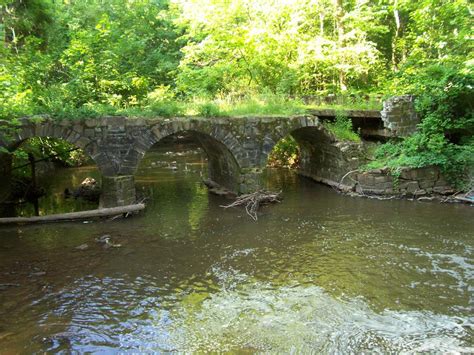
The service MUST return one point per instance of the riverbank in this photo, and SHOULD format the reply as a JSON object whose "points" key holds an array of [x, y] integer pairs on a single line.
{"points": [[417, 184]]}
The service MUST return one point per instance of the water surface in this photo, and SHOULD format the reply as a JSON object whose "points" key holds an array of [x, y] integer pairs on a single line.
{"points": [[318, 272]]}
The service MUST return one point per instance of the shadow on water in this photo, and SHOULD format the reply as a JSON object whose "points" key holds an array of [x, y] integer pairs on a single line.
{"points": [[318, 272]]}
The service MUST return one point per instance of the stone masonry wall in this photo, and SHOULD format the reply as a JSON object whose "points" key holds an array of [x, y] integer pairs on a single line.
{"points": [[412, 182], [326, 160], [237, 147], [399, 115]]}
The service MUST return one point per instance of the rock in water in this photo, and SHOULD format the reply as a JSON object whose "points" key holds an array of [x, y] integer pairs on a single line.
{"points": [[103, 239], [107, 243], [89, 190]]}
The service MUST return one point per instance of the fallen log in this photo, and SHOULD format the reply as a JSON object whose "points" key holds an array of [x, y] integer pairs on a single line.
{"points": [[101, 212]]}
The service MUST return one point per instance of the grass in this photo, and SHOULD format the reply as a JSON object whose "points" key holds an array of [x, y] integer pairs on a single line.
{"points": [[264, 105], [342, 128], [227, 106]]}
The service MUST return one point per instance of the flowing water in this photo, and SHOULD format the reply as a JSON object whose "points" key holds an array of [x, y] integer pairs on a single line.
{"points": [[319, 272]]}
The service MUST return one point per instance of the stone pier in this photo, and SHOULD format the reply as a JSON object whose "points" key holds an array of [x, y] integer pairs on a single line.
{"points": [[117, 191], [251, 180]]}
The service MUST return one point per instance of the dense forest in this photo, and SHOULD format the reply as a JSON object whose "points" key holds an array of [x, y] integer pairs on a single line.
{"points": [[83, 58]]}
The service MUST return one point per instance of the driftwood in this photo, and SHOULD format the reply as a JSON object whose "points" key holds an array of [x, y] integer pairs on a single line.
{"points": [[253, 201], [101, 212], [465, 199]]}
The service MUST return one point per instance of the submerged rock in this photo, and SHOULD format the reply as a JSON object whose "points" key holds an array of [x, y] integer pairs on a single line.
{"points": [[82, 247], [37, 274]]}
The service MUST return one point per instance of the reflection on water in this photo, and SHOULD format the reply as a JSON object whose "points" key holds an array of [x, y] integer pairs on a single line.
{"points": [[319, 272], [54, 201]]}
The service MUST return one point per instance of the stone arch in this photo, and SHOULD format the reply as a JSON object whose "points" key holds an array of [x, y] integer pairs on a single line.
{"points": [[220, 147], [277, 129], [60, 131], [55, 130], [322, 157]]}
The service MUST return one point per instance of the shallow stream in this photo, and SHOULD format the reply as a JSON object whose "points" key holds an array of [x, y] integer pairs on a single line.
{"points": [[319, 272]]}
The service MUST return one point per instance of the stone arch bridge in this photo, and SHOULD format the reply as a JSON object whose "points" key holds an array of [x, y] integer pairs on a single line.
{"points": [[237, 148]]}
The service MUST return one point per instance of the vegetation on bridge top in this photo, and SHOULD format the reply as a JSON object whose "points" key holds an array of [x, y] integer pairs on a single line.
{"points": [[239, 57]]}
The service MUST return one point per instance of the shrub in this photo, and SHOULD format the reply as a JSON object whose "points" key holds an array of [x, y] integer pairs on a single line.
{"points": [[285, 153], [342, 128]]}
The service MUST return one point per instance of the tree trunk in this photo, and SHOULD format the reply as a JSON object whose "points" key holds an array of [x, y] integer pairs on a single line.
{"points": [[340, 39], [396, 16], [101, 212]]}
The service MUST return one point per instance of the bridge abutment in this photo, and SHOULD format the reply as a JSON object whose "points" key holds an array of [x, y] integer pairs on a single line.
{"points": [[117, 191]]}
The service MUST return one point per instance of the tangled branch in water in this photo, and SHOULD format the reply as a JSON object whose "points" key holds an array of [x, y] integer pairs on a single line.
{"points": [[253, 201]]}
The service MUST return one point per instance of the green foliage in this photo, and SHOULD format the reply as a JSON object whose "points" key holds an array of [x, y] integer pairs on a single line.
{"points": [[342, 128], [79, 59], [275, 46], [47, 149], [83, 59], [445, 136], [208, 109], [161, 102], [285, 154], [261, 105], [95, 57]]}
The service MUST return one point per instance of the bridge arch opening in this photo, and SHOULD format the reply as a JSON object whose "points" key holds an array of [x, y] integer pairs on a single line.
{"points": [[192, 151], [44, 175], [314, 152]]}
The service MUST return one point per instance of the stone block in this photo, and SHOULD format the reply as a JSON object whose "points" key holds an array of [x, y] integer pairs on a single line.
{"points": [[91, 123], [399, 115], [408, 174], [441, 182], [366, 179], [384, 185], [420, 192], [426, 183], [383, 179], [443, 190], [409, 187], [89, 132], [117, 191]]}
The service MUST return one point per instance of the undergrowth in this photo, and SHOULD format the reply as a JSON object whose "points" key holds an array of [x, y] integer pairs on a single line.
{"points": [[342, 128], [444, 101]]}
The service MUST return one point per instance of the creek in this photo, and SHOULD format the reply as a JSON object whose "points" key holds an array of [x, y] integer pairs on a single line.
{"points": [[319, 272]]}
